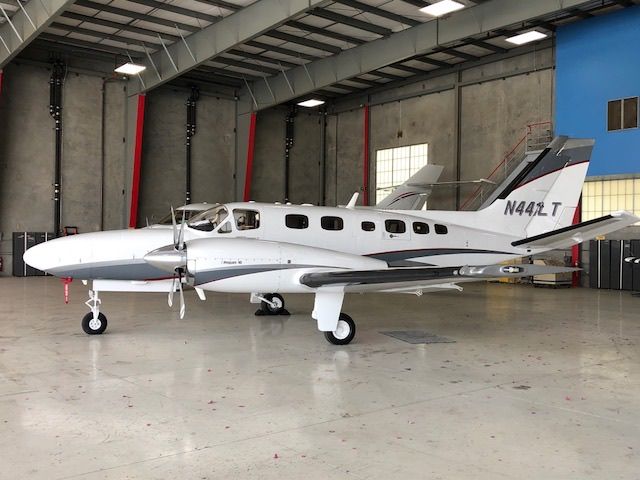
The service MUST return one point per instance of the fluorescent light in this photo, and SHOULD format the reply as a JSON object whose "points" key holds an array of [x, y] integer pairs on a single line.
{"points": [[526, 37], [442, 8], [130, 69], [314, 102]]}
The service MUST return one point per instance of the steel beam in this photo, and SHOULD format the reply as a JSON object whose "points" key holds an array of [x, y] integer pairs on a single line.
{"points": [[135, 15], [236, 29], [29, 21], [415, 41], [168, 7], [380, 12], [351, 21], [325, 32], [120, 26]]}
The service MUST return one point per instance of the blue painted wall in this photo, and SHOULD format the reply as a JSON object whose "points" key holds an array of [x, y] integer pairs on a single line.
{"points": [[598, 60]]}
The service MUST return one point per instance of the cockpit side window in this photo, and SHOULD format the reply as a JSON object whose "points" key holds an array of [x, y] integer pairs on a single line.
{"points": [[209, 220], [246, 219]]}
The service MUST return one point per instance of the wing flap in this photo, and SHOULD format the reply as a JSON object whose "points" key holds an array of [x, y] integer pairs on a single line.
{"points": [[567, 236]]}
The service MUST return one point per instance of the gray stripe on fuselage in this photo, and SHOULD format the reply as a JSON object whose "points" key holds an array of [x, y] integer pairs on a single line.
{"points": [[114, 270], [216, 274]]}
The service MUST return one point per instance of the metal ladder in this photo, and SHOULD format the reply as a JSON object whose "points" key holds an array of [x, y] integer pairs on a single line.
{"points": [[537, 136]]}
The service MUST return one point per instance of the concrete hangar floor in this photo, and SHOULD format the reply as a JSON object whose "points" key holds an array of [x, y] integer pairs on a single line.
{"points": [[538, 384]]}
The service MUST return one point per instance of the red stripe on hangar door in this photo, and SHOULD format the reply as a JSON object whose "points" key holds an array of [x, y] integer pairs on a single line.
{"points": [[137, 162], [250, 149], [575, 250]]}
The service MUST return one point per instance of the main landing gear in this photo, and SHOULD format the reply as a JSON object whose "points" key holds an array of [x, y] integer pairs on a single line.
{"points": [[344, 332], [94, 322], [271, 304]]}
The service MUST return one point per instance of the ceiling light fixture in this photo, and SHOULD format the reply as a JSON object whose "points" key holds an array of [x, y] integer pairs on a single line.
{"points": [[442, 7], [526, 37], [130, 69], [313, 102]]}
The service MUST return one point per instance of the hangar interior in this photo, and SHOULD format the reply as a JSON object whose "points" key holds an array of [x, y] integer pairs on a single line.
{"points": [[537, 383]]}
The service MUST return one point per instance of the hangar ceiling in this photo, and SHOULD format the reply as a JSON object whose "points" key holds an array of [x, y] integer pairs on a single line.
{"points": [[260, 45]]}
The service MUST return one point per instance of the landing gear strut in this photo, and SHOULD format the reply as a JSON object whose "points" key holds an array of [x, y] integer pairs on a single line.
{"points": [[94, 322], [270, 304], [344, 332]]}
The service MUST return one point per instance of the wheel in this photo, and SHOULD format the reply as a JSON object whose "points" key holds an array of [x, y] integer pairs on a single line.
{"points": [[278, 304], [94, 327], [344, 333]]}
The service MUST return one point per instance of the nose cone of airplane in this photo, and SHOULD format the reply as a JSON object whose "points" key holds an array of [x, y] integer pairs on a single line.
{"points": [[39, 256], [167, 258]]}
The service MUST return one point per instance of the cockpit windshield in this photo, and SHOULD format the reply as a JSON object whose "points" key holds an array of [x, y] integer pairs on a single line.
{"points": [[187, 214], [209, 220]]}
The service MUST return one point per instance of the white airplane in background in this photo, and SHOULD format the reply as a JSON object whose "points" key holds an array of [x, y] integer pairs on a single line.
{"points": [[248, 247]]}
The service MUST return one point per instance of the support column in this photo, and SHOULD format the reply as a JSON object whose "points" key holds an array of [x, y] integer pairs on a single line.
{"points": [[1, 79], [365, 179], [250, 151], [137, 162]]}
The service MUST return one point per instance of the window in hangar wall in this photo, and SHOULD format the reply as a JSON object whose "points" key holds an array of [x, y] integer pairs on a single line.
{"points": [[601, 197], [622, 114], [395, 165]]}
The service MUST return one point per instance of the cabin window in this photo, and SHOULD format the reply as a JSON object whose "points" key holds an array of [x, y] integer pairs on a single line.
{"points": [[420, 228], [246, 219], [332, 223], [368, 226], [441, 229], [296, 221], [395, 226]]}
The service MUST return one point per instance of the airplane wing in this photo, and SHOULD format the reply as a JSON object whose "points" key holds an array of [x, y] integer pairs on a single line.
{"points": [[423, 276], [565, 237]]}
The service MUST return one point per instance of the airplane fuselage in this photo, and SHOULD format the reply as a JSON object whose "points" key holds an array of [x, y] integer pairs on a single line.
{"points": [[350, 238]]}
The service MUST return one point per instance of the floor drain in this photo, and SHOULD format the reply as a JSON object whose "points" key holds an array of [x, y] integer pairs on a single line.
{"points": [[417, 336]]}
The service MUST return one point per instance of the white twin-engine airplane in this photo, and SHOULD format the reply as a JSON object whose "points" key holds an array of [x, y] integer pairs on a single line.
{"points": [[252, 247]]}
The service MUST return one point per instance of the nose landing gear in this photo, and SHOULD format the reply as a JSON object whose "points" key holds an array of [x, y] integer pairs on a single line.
{"points": [[94, 322]]}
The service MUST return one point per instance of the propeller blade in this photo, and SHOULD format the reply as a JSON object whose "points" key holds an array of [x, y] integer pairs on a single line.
{"points": [[182, 305], [173, 289], [180, 243], [175, 227]]}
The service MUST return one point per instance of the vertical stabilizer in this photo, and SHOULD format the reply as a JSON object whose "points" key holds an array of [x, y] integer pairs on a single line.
{"points": [[544, 195], [412, 194]]}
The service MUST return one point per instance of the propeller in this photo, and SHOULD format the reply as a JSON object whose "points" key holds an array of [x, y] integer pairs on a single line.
{"points": [[181, 268]]}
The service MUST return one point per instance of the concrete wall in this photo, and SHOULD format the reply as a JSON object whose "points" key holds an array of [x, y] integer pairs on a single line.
{"points": [[344, 164], [163, 180], [268, 180], [491, 105], [427, 119], [27, 152]]}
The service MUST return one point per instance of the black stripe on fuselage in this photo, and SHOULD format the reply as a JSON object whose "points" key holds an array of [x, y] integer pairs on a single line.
{"points": [[393, 257]]}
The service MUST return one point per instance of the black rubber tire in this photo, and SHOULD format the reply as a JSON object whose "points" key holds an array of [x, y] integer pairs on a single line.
{"points": [[331, 338], [87, 328], [273, 310]]}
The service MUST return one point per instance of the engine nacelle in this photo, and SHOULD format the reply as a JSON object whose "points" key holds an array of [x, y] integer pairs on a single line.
{"points": [[250, 265]]}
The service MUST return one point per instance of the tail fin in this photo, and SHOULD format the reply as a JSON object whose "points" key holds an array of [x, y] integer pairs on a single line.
{"points": [[545, 194], [413, 193]]}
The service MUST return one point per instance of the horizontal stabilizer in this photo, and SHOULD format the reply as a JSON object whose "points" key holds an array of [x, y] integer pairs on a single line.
{"points": [[567, 236]]}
